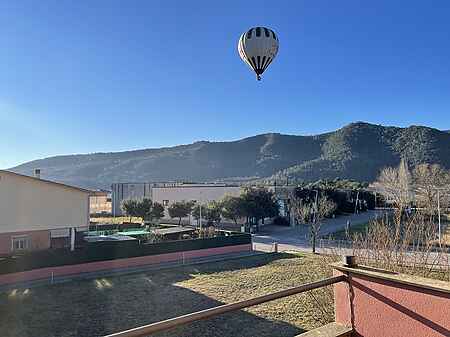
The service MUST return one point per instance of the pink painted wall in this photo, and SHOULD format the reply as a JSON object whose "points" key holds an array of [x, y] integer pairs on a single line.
{"points": [[39, 240], [377, 307], [45, 273]]}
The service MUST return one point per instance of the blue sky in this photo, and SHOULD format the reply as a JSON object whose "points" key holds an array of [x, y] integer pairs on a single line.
{"points": [[90, 76]]}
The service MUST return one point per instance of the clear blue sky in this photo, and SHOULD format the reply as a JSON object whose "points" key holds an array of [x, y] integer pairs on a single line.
{"points": [[89, 76]]}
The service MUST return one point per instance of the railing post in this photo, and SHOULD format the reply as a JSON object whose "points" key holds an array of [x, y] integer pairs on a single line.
{"points": [[349, 261]]}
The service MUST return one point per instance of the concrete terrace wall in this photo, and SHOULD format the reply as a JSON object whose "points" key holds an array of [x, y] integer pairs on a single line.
{"points": [[77, 269], [377, 303]]}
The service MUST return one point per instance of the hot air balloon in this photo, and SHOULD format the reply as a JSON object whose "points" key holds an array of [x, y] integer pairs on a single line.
{"points": [[258, 47]]}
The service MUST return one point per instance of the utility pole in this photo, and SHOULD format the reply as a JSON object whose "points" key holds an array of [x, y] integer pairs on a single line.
{"points": [[200, 215], [439, 217], [356, 203]]}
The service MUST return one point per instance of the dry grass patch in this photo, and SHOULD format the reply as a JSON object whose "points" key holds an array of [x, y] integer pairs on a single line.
{"points": [[111, 304]]}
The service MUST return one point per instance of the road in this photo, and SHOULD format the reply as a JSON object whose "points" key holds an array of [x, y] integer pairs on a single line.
{"points": [[296, 238]]}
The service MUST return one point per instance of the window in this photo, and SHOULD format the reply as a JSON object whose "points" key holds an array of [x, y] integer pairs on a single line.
{"points": [[20, 243], [165, 203]]}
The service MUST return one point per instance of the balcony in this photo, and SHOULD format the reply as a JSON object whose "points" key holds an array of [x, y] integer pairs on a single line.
{"points": [[368, 302]]}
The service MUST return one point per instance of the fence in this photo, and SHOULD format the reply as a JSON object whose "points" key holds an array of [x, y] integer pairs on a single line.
{"points": [[104, 251]]}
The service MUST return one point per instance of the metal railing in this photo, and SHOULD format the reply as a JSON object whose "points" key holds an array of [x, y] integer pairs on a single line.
{"points": [[222, 309]]}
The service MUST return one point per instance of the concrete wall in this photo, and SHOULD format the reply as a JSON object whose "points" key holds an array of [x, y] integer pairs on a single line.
{"points": [[64, 271], [28, 204], [389, 305]]}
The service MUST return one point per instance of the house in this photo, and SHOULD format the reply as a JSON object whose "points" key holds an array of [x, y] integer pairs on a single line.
{"points": [[168, 193], [39, 214]]}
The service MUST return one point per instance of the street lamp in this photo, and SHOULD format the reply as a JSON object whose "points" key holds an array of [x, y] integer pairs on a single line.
{"points": [[439, 214]]}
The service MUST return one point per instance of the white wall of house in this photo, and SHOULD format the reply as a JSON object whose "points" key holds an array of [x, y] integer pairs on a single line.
{"points": [[30, 204]]}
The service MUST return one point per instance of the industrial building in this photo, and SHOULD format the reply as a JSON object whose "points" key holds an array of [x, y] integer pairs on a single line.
{"points": [[168, 193]]}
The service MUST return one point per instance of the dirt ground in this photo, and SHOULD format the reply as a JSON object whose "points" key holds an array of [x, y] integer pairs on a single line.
{"points": [[103, 306]]}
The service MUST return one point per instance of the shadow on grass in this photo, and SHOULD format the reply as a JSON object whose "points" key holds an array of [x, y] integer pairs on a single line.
{"points": [[106, 305]]}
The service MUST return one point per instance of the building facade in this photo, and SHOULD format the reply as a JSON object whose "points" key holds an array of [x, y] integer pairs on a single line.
{"points": [[100, 202], [168, 193], [39, 214]]}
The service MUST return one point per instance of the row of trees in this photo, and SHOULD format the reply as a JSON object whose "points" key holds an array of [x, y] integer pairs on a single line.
{"points": [[253, 205], [144, 208]]}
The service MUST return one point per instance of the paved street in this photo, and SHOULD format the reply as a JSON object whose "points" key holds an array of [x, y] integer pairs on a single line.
{"points": [[296, 238]]}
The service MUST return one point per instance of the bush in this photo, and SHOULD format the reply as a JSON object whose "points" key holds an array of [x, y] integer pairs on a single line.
{"points": [[280, 221]]}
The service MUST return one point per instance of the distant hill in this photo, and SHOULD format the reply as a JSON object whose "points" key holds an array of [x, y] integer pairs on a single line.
{"points": [[357, 151]]}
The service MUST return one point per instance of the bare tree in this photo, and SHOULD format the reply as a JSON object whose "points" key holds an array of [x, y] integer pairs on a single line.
{"points": [[324, 207], [430, 181], [395, 184], [301, 211]]}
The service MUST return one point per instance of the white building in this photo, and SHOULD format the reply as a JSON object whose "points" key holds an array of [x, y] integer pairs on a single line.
{"points": [[39, 214], [168, 193]]}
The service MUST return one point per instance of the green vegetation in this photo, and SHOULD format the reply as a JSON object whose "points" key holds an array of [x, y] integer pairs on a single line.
{"points": [[354, 230], [180, 209], [105, 305], [144, 209], [357, 151]]}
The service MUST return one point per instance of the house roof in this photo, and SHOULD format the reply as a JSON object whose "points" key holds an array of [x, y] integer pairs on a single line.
{"points": [[47, 181]]}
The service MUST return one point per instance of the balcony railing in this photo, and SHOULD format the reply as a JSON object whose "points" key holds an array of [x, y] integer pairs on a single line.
{"points": [[222, 309]]}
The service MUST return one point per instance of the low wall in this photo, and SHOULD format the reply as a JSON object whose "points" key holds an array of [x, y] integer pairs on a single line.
{"points": [[77, 269], [379, 303]]}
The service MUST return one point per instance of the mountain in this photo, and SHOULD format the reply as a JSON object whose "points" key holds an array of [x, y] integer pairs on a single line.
{"points": [[357, 151]]}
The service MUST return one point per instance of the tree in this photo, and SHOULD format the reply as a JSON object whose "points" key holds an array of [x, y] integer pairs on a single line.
{"points": [[180, 209], [259, 203], [429, 182], [157, 212], [395, 184], [214, 213], [130, 207], [233, 208], [144, 208], [324, 208], [211, 212]]}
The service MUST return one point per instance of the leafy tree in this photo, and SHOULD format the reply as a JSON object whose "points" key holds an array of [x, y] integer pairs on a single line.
{"points": [[259, 203], [180, 209], [211, 212], [214, 213], [144, 208], [130, 207], [233, 208], [157, 212]]}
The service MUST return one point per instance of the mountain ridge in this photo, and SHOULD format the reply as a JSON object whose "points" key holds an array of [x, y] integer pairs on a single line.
{"points": [[356, 151]]}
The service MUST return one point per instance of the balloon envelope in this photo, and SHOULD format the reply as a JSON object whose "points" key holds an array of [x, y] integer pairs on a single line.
{"points": [[258, 47]]}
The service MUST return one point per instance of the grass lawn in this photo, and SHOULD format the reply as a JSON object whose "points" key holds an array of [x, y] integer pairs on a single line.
{"points": [[341, 235], [106, 305]]}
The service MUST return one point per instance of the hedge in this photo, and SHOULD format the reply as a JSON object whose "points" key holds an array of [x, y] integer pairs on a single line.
{"points": [[107, 250]]}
